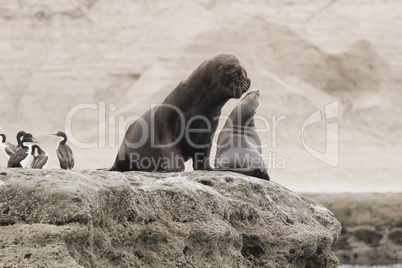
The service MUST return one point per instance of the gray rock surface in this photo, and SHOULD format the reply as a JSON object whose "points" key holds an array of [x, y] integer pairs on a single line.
{"points": [[57, 218], [371, 226]]}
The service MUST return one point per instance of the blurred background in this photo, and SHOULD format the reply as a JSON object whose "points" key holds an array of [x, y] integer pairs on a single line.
{"points": [[89, 67]]}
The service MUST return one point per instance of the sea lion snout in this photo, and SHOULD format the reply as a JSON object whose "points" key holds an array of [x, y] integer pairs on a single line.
{"points": [[256, 91], [252, 96], [253, 93], [241, 86]]}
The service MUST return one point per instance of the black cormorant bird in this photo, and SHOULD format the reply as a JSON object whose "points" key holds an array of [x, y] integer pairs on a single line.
{"points": [[6, 148], [41, 160], [21, 157], [64, 153]]}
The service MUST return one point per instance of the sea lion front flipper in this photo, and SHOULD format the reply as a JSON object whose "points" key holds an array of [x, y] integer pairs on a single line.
{"points": [[173, 159], [201, 161]]}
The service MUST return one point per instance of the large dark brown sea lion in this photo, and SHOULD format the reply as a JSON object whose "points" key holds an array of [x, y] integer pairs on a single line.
{"points": [[239, 146], [182, 127]]}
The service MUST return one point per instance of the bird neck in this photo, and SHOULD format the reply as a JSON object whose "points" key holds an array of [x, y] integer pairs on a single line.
{"points": [[26, 145], [63, 140], [19, 139], [34, 148]]}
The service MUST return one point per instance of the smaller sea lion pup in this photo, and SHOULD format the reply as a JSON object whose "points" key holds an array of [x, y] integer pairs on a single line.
{"points": [[182, 127], [239, 146]]}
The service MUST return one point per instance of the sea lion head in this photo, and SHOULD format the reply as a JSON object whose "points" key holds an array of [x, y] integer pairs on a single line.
{"points": [[225, 73], [252, 97], [243, 114], [249, 103], [232, 75]]}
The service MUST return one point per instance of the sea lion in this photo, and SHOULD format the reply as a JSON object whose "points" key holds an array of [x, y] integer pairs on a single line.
{"points": [[182, 127], [238, 145]]}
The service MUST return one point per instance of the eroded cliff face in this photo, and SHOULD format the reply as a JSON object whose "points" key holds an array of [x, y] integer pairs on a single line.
{"points": [[60, 218], [371, 226]]}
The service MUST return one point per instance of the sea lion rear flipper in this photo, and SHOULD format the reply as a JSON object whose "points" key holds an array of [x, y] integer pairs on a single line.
{"points": [[262, 173]]}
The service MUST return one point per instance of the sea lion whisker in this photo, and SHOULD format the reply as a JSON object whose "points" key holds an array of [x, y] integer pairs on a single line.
{"points": [[238, 87], [245, 85], [242, 86]]}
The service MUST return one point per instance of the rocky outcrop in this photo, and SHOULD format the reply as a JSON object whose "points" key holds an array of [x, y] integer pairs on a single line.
{"points": [[57, 218], [371, 226]]}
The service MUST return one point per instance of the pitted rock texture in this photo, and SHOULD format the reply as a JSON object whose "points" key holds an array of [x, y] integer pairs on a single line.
{"points": [[57, 218]]}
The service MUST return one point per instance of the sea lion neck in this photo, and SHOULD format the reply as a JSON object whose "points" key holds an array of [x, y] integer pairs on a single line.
{"points": [[242, 115]]}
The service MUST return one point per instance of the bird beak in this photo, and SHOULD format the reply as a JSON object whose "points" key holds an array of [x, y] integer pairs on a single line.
{"points": [[34, 140], [54, 134]]}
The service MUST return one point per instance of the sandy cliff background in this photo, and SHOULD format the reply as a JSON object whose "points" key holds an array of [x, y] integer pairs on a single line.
{"points": [[89, 67]]}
